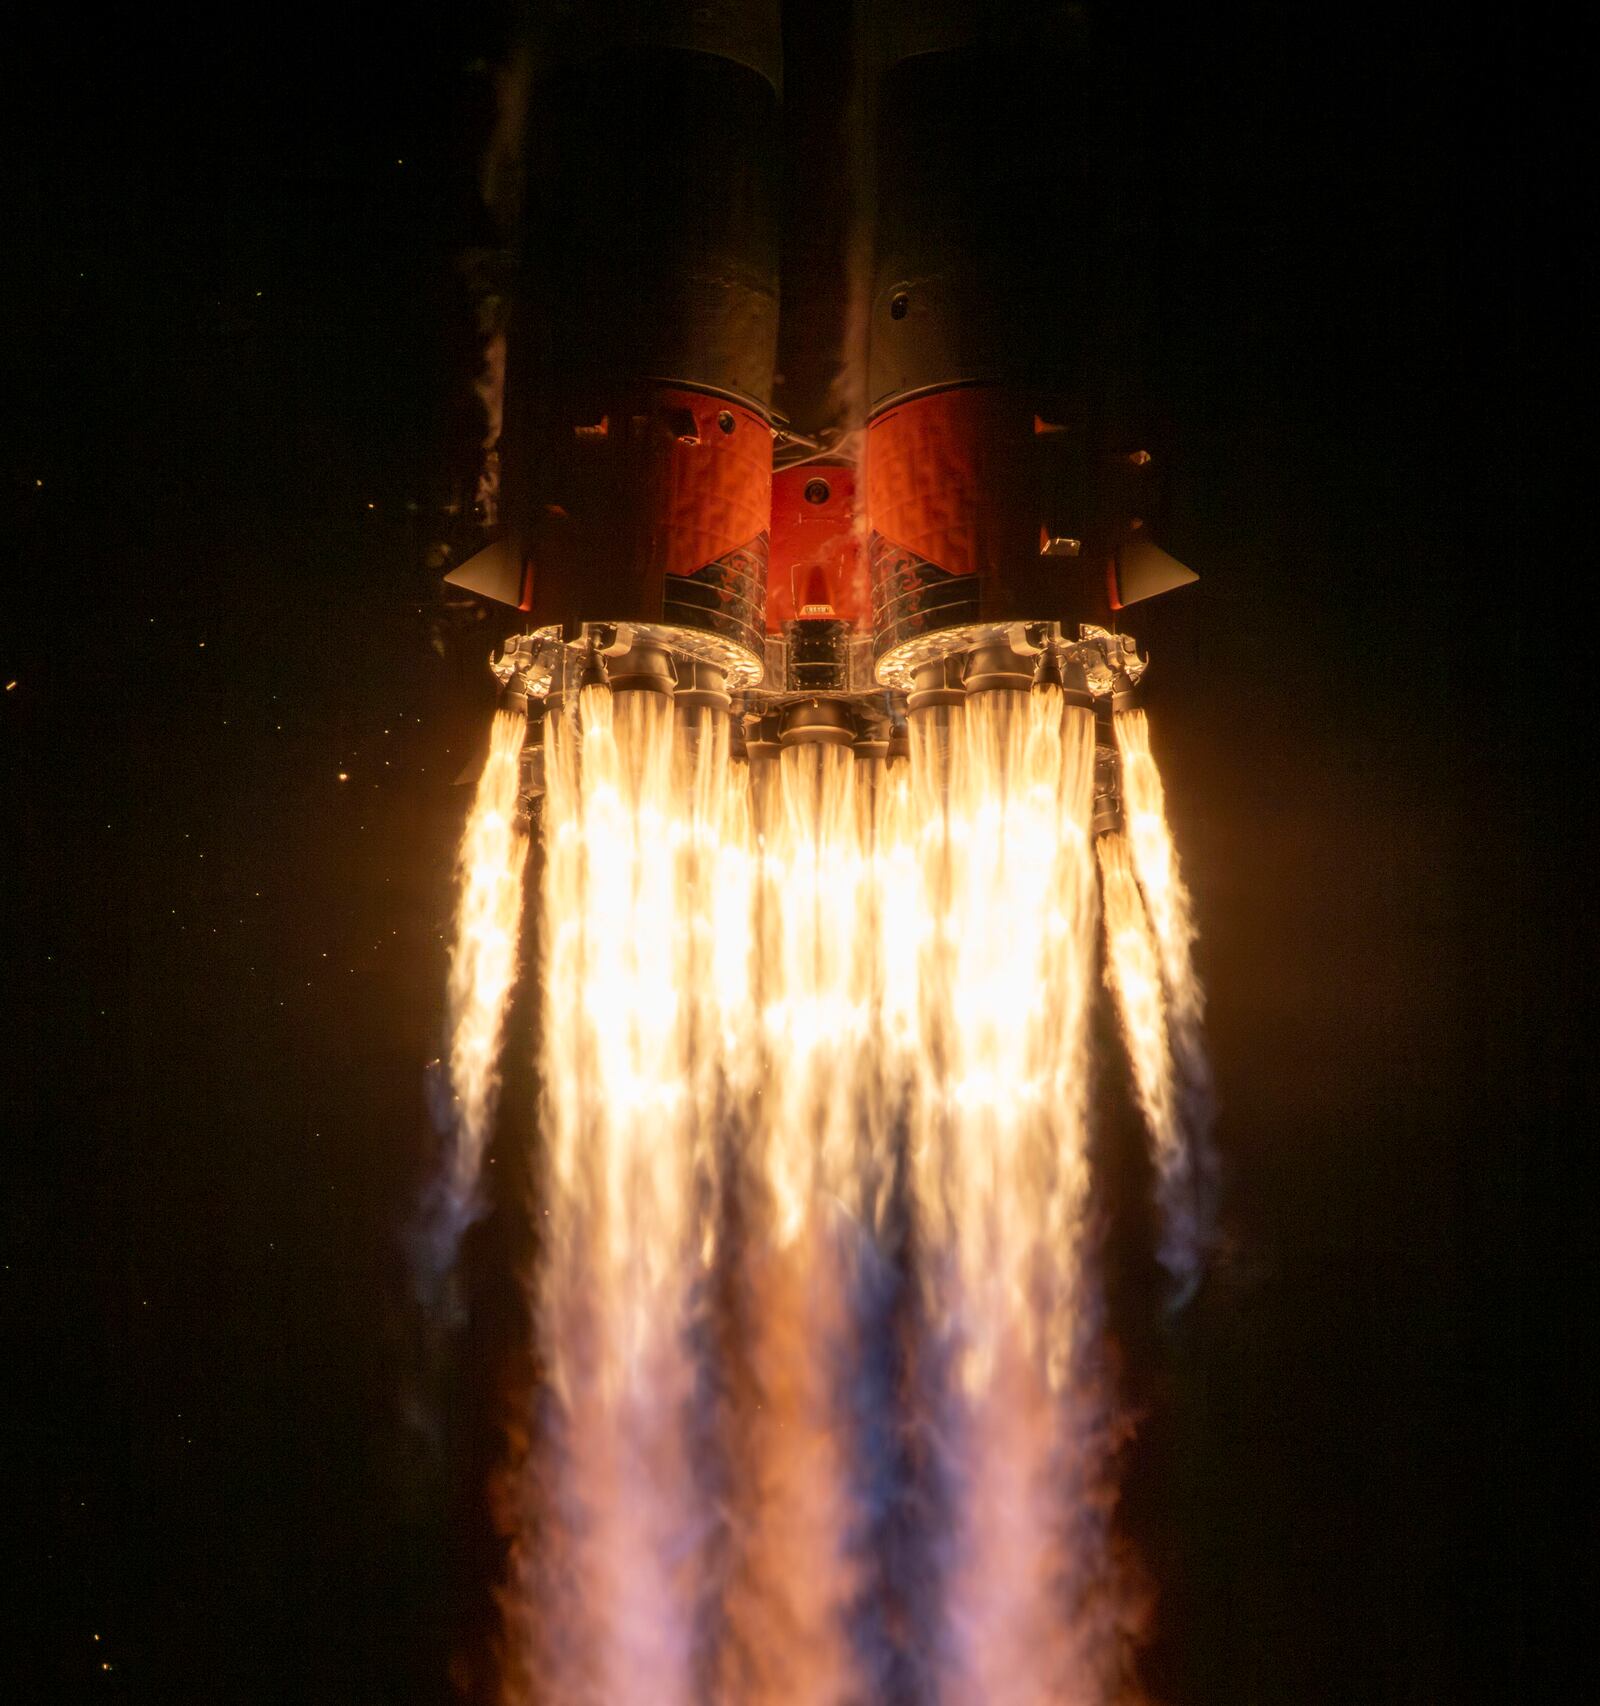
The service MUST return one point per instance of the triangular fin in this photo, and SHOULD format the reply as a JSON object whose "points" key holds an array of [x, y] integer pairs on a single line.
{"points": [[493, 573], [1144, 570]]}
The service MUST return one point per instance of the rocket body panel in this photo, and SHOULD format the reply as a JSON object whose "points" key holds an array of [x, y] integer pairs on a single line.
{"points": [[663, 520]]}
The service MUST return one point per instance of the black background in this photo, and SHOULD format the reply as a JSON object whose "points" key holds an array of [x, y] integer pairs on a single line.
{"points": [[235, 357]]}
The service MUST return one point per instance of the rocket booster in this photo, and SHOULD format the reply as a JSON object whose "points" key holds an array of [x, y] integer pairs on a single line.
{"points": [[980, 511], [638, 413], [1005, 482]]}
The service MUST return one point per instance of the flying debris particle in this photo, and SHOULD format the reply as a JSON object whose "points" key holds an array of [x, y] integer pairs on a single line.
{"points": [[10, 686], [344, 775]]}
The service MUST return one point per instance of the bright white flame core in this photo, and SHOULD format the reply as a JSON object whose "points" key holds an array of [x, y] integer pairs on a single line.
{"points": [[1007, 903], [645, 962]]}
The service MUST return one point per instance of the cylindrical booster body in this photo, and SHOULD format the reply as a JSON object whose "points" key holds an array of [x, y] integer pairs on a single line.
{"points": [[988, 417], [639, 388]]}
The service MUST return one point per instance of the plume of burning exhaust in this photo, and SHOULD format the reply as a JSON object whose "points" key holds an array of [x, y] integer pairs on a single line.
{"points": [[622, 1541], [1155, 859], [1000, 1163], [784, 1020], [792, 1578], [483, 969], [1133, 974], [1188, 1165]]}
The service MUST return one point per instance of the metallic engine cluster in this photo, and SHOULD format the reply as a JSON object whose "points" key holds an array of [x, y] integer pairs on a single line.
{"points": [[819, 687]]}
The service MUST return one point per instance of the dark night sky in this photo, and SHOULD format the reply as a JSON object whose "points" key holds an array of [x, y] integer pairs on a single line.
{"points": [[234, 357]]}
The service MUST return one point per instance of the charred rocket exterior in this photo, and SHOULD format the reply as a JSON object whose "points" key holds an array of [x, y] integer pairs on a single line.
{"points": [[984, 517]]}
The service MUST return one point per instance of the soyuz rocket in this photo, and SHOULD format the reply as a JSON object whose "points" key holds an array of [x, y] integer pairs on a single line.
{"points": [[815, 408]]}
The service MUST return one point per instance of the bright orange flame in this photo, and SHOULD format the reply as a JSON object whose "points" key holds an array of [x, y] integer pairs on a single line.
{"points": [[648, 883], [752, 986], [1177, 1100], [1005, 943], [1005, 925], [616, 1033], [814, 1003], [1155, 861], [483, 965], [1133, 972]]}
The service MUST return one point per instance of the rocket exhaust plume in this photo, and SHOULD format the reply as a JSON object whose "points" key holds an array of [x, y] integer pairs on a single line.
{"points": [[791, 1003], [791, 1577], [624, 1529], [1001, 1169], [1187, 1164], [1155, 858], [1133, 974], [483, 970]]}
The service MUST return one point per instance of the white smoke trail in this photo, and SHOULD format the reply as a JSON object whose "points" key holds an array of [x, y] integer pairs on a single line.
{"points": [[1188, 1167], [483, 969]]}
